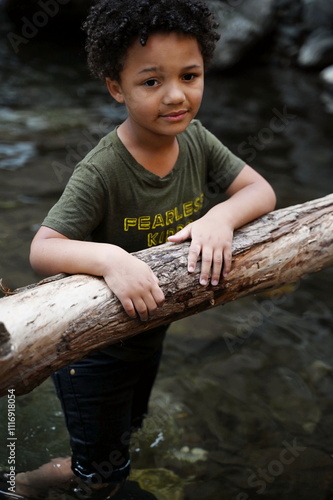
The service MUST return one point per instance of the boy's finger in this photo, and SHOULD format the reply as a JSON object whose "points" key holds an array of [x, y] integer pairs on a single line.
{"points": [[227, 261], [206, 265], [158, 296], [129, 307], [141, 309], [193, 255], [150, 303], [217, 267], [182, 235]]}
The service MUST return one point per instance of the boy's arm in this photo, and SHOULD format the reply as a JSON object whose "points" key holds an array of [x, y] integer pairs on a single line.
{"points": [[250, 196], [131, 280]]}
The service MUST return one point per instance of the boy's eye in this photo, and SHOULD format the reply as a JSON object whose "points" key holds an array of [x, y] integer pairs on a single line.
{"points": [[151, 83], [189, 76]]}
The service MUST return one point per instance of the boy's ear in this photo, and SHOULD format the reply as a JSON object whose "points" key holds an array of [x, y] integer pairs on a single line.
{"points": [[115, 89]]}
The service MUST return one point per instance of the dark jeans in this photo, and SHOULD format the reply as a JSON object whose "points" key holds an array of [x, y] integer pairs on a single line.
{"points": [[104, 399]]}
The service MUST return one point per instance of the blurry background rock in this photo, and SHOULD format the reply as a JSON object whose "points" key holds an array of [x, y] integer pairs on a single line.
{"points": [[64, 17], [298, 32]]}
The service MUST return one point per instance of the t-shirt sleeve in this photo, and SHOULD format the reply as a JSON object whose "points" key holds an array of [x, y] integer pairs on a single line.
{"points": [[223, 165], [81, 206]]}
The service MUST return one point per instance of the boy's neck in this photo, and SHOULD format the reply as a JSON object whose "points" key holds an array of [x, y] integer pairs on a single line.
{"points": [[147, 141]]}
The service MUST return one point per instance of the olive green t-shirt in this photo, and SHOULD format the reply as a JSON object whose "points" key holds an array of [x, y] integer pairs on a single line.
{"points": [[111, 198]]}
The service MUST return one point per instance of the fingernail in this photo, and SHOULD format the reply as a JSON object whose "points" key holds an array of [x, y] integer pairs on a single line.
{"points": [[203, 282], [190, 269], [215, 282]]}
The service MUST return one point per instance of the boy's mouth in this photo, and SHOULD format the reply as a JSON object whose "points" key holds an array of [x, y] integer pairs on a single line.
{"points": [[175, 115]]}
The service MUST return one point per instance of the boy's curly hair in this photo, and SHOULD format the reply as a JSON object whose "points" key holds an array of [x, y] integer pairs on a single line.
{"points": [[113, 25]]}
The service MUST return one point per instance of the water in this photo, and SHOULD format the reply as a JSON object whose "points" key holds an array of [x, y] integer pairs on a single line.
{"points": [[242, 407]]}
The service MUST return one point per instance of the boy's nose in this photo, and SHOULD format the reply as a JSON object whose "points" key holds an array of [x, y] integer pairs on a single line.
{"points": [[174, 94]]}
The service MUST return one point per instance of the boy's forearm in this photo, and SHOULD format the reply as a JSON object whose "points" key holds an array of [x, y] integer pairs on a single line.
{"points": [[246, 204], [129, 278], [59, 255]]}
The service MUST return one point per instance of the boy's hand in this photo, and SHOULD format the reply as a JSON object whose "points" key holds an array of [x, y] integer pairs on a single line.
{"points": [[134, 283], [249, 197], [212, 239]]}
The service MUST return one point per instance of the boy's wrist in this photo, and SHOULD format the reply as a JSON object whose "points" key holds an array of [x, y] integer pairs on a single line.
{"points": [[108, 257], [221, 213]]}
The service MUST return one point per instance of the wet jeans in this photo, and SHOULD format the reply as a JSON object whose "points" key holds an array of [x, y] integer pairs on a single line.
{"points": [[104, 399]]}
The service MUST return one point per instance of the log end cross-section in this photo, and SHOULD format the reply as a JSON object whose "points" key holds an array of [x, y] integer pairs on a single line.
{"points": [[5, 342]]}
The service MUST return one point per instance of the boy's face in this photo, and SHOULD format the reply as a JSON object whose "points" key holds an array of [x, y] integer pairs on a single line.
{"points": [[161, 84]]}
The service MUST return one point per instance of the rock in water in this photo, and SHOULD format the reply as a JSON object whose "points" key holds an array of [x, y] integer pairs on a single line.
{"points": [[242, 25], [163, 483], [317, 51]]}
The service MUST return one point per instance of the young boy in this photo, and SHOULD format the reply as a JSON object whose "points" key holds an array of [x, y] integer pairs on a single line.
{"points": [[142, 185]]}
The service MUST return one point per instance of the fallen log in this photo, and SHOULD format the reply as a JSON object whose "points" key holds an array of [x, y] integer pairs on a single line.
{"points": [[46, 326]]}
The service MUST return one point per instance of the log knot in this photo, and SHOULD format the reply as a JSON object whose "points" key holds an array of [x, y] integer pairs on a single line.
{"points": [[185, 297], [5, 344]]}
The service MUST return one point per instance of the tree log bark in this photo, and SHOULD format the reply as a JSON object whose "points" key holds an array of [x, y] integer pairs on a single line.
{"points": [[46, 326]]}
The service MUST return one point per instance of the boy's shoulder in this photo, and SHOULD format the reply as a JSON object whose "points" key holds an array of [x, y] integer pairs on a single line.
{"points": [[196, 128], [105, 158], [106, 144], [198, 135]]}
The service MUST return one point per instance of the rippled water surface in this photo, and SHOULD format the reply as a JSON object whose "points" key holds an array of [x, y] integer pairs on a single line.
{"points": [[242, 407]]}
